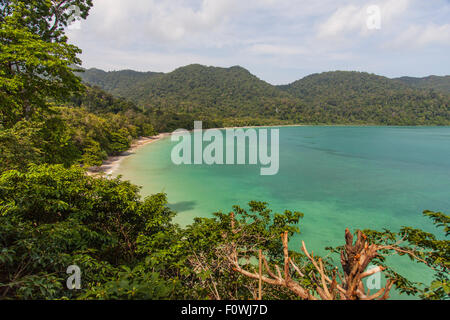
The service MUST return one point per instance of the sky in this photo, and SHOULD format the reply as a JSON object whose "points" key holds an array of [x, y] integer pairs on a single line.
{"points": [[279, 41]]}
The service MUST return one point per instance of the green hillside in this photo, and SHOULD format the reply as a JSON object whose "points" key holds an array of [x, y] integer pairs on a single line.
{"points": [[227, 91], [357, 96], [340, 97], [115, 82], [437, 83]]}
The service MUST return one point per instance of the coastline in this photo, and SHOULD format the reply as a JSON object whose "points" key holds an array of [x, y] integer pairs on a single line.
{"points": [[112, 163]]}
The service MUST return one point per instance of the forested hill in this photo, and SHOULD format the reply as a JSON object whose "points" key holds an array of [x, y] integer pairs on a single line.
{"points": [[376, 99], [116, 82], [229, 91], [344, 85], [339, 97], [437, 83]]}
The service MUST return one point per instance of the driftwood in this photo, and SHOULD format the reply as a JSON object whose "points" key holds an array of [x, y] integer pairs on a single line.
{"points": [[355, 258]]}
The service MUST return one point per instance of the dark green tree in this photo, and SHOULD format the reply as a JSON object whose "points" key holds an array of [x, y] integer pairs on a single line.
{"points": [[36, 62]]}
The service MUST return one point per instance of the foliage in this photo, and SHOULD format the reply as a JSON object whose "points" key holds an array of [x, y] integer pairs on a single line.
{"points": [[36, 62], [440, 84], [231, 97], [116, 82], [52, 217], [426, 248], [362, 98], [69, 136], [36, 75]]}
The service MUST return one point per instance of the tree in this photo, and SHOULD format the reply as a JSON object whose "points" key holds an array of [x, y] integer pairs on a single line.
{"points": [[424, 247], [46, 141], [52, 217], [328, 283], [206, 244], [36, 62]]}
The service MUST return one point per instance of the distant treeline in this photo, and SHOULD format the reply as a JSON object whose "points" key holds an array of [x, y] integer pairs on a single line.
{"points": [[233, 96], [93, 126]]}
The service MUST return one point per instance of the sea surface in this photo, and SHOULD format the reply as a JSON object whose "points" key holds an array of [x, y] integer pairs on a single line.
{"points": [[339, 177]]}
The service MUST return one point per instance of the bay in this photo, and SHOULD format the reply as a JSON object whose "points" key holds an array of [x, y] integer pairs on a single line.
{"points": [[339, 177]]}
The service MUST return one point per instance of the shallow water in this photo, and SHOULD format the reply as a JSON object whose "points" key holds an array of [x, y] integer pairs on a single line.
{"points": [[339, 177]]}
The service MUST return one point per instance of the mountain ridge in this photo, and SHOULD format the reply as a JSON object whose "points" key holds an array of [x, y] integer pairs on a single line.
{"points": [[335, 97], [439, 83], [403, 79]]}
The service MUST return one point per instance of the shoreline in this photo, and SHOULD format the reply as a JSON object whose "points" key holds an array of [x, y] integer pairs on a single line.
{"points": [[112, 163]]}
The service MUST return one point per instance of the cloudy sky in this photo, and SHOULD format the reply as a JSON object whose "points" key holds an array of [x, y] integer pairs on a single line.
{"points": [[278, 40]]}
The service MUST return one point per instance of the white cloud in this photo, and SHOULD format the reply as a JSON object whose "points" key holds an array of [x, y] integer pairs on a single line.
{"points": [[352, 19], [270, 49], [171, 20], [263, 35], [118, 59], [344, 19], [421, 36]]}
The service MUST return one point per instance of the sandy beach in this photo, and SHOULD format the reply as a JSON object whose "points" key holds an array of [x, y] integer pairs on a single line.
{"points": [[112, 163]]}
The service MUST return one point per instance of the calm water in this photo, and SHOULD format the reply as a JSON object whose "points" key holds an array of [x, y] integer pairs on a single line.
{"points": [[339, 177]]}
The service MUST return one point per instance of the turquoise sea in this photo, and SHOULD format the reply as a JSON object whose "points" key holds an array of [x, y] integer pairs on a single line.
{"points": [[339, 177]]}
